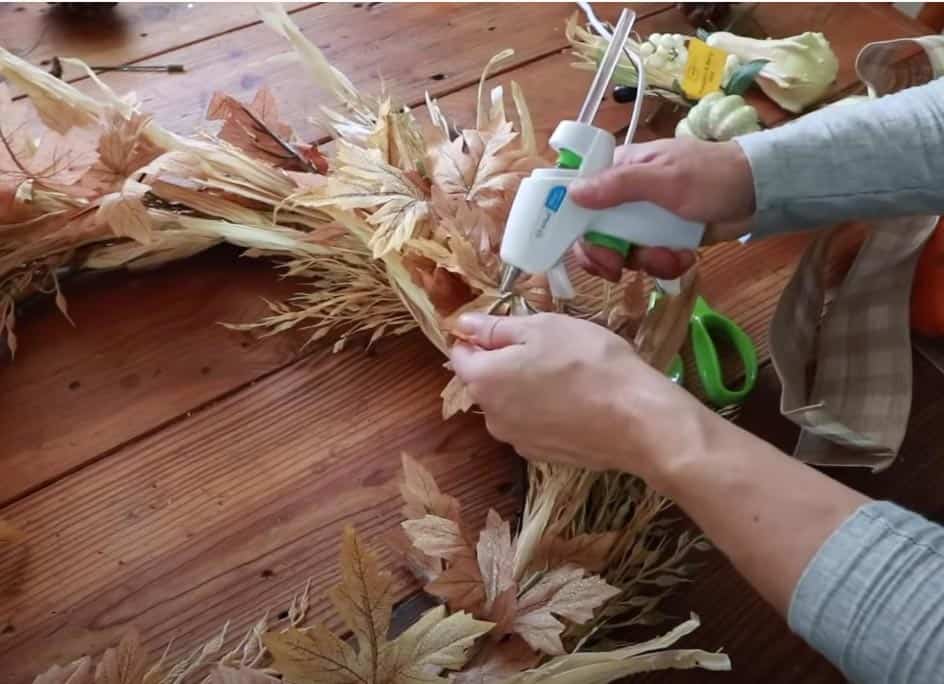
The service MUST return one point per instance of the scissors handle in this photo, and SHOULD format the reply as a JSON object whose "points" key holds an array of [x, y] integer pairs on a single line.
{"points": [[707, 326]]}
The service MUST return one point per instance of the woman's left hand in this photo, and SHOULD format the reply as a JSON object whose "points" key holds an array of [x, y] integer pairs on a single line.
{"points": [[561, 389]]}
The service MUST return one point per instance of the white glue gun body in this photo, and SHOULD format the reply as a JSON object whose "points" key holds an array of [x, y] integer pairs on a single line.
{"points": [[544, 223]]}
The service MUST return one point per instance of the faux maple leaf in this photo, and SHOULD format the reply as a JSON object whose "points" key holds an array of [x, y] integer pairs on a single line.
{"points": [[481, 167], [57, 161], [481, 578], [563, 592], [436, 642], [456, 398], [256, 129], [397, 201], [422, 496], [123, 148], [589, 551]]}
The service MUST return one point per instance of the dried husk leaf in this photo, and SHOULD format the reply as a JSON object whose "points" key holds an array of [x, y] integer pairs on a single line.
{"points": [[58, 104], [664, 329], [77, 672]]}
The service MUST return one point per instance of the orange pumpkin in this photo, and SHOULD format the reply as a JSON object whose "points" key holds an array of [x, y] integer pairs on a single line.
{"points": [[927, 293]]}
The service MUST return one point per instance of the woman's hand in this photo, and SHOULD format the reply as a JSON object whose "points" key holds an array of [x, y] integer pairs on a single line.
{"points": [[697, 180], [566, 390]]}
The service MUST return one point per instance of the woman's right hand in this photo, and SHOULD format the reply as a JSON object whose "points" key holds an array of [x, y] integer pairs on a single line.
{"points": [[697, 180]]}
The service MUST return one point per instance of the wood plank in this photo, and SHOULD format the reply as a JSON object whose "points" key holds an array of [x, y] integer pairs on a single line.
{"points": [[129, 33], [148, 347], [171, 343], [736, 619], [226, 513], [372, 44]]}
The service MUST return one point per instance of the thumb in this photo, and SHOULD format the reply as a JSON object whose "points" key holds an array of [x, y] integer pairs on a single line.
{"points": [[491, 332], [618, 184]]}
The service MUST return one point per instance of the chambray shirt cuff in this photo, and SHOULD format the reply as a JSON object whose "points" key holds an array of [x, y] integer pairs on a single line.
{"points": [[761, 150], [870, 600]]}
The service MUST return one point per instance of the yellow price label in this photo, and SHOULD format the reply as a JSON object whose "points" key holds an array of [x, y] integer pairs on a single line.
{"points": [[703, 70]]}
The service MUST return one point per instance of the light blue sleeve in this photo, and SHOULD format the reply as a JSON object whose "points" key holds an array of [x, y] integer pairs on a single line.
{"points": [[872, 598], [875, 159]]}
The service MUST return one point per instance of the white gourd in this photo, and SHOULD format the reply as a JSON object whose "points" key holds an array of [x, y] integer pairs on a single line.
{"points": [[718, 117], [799, 69]]}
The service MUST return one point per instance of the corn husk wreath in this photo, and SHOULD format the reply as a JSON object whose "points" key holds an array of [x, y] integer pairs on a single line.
{"points": [[398, 230]]}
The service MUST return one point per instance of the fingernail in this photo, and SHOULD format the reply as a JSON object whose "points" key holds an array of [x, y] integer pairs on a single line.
{"points": [[471, 323], [578, 187]]}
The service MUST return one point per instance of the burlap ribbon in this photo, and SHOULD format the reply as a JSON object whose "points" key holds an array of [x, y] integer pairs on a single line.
{"points": [[846, 371]]}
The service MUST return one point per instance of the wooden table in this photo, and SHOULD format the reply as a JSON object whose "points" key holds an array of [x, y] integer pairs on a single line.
{"points": [[172, 474]]}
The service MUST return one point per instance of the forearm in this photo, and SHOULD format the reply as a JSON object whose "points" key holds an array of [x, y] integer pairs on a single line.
{"points": [[768, 513], [870, 160]]}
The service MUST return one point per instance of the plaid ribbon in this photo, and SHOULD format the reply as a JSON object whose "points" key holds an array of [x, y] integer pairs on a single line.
{"points": [[846, 371]]}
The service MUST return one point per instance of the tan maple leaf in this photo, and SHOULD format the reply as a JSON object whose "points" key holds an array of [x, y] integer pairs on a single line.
{"points": [[562, 592], [460, 586], [589, 551], [438, 537], [478, 167], [422, 496], [363, 598], [123, 148], [496, 557], [396, 204], [57, 161], [456, 398], [257, 130]]}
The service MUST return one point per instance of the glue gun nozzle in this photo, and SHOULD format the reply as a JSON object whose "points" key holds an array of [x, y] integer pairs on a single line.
{"points": [[509, 275]]}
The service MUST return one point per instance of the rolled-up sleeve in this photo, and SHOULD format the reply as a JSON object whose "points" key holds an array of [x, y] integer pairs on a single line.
{"points": [[872, 598], [875, 159]]}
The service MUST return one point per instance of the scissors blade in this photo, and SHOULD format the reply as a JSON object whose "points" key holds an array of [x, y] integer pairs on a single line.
{"points": [[607, 66]]}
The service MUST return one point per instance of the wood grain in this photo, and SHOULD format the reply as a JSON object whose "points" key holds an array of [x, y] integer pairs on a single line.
{"points": [[129, 33], [225, 513], [75, 393], [375, 45], [114, 377]]}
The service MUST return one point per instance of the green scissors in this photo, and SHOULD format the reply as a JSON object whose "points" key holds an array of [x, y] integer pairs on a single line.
{"points": [[706, 326]]}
